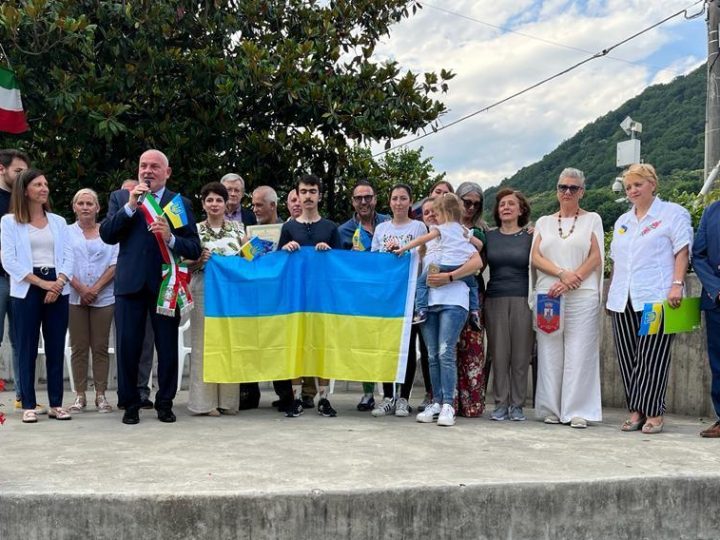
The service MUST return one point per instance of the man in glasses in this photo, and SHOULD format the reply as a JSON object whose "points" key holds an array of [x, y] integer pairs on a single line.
{"points": [[364, 220], [235, 186], [365, 217]]}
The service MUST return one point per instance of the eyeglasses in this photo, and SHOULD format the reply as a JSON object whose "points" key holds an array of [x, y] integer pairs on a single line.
{"points": [[363, 198], [471, 204], [572, 189]]}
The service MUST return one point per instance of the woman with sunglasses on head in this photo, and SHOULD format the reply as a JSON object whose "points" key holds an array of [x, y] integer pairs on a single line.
{"points": [[507, 315], [471, 347], [650, 252], [567, 256], [37, 254]]}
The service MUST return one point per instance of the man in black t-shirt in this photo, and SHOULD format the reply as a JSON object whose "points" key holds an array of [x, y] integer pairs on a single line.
{"points": [[309, 229], [12, 163]]}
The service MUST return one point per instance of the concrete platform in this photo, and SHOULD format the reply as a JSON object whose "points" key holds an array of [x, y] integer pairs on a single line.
{"points": [[260, 475]]}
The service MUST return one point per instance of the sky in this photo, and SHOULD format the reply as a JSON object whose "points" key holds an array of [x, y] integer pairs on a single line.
{"points": [[492, 63]]}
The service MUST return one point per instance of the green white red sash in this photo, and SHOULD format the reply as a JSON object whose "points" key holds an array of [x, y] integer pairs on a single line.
{"points": [[174, 291]]}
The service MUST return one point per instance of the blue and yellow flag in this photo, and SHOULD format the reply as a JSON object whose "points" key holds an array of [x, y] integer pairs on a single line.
{"points": [[333, 314], [651, 319], [175, 212], [255, 247], [361, 239]]}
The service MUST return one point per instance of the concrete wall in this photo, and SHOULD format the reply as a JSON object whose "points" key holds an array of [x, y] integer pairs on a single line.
{"points": [[659, 508], [688, 388], [689, 382]]}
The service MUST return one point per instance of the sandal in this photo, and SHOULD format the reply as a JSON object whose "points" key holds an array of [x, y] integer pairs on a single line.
{"points": [[651, 429], [29, 416], [629, 425], [58, 413]]}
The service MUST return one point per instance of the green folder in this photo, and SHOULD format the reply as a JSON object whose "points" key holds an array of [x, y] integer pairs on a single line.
{"points": [[684, 318]]}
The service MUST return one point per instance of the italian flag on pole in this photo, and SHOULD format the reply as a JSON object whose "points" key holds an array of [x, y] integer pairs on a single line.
{"points": [[12, 117]]}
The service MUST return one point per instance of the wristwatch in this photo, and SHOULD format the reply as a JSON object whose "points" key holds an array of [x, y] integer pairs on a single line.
{"points": [[678, 282]]}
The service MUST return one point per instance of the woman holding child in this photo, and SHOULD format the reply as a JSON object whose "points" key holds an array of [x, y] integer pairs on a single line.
{"points": [[450, 251]]}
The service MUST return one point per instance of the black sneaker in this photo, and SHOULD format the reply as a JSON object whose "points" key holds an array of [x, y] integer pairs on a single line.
{"points": [[420, 317], [294, 410], [475, 323], [308, 402], [325, 409], [367, 403]]}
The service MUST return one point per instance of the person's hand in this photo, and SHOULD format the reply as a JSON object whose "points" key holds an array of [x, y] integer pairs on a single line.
{"points": [[392, 246], [571, 279], [439, 279], [161, 226], [557, 289], [56, 286], [399, 251], [138, 190], [51, 296], [675, 296], [291, 246], [204, 256], [322, 246], [87, 298]]}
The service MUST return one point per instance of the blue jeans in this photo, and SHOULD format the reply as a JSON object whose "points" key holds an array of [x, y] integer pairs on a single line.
{"points": [[421, 291], [5, 310], [441, 332]]}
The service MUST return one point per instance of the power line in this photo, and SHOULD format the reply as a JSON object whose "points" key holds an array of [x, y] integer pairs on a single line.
{"points": [[565, 71], [536, 38]]}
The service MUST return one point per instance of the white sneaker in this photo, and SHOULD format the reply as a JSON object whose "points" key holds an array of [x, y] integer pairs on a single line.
{"points": [[386, 408], [430, 414], [402, 408], [447, 416]]}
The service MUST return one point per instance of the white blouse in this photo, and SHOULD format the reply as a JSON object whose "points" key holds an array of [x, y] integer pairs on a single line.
{"points": [[643, 253], [569, 252], [91, 259]]}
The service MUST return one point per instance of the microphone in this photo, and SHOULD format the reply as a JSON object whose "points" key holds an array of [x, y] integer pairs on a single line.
{"points": [[141, 198]]}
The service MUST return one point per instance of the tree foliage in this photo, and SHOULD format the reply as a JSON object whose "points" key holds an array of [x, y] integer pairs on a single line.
{"points": [[404, 166], [265, 88]]}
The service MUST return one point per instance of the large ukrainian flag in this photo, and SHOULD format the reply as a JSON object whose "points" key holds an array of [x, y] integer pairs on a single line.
{"points": [[333, 314]]}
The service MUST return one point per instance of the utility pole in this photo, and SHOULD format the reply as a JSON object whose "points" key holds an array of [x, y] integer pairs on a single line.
{"points": [[712, 107]]}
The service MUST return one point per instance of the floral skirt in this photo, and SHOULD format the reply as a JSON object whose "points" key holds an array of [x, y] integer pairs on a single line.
{"points": [[470, 400]]}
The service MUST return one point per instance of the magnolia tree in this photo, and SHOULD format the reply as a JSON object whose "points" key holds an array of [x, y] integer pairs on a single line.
{"points": [[265, 88]]}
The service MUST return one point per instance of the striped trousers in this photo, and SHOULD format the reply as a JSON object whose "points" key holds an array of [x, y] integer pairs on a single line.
{"points": [[644, 363]]}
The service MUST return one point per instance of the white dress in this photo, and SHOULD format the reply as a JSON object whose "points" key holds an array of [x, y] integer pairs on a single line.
{"points": [[204, 397], [568, 382]]}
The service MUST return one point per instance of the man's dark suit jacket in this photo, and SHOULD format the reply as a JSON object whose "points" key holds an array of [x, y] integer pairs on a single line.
{"points": [[706, 256], [139, 261]]}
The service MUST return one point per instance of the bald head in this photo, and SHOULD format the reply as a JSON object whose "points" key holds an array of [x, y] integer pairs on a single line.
{"points": [[154, 169], [264, 205]]}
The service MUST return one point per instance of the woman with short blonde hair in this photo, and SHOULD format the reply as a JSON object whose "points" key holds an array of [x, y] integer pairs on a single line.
{"points": [[92, 301], [650, 252]]}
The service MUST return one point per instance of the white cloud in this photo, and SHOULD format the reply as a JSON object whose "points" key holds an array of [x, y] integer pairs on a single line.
{"points": [[492, 64]]}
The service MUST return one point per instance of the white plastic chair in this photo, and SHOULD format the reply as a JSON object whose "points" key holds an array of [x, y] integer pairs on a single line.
{"points": [[183, 351]]}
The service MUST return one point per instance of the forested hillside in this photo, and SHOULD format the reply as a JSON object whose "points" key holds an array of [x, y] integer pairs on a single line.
{"points": [[673, 117]]}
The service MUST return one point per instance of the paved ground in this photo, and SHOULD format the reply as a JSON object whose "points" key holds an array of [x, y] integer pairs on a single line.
{"points": [[262, 452]]}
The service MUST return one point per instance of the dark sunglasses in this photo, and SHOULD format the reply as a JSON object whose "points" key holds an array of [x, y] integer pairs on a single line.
{"points": [[363, 198], [572, 189], [471, 204]]}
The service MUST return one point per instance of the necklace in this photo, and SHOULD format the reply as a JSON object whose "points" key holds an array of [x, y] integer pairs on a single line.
{"points": [[572, 229]]}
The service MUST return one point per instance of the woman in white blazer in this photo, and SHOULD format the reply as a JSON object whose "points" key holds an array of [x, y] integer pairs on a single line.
{"points": [[37, 254]]}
